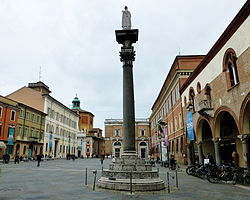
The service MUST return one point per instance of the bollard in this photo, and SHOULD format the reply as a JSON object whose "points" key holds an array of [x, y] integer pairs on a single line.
{"points": [[176, 179], [131, 183], [86, 176], [168, 182], [94, 172]]}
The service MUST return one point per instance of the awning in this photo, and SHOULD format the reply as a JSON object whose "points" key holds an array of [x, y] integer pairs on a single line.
{"points": [[2, 145]]}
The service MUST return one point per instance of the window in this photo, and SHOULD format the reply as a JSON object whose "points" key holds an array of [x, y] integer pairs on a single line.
{"points": [[27, 115], [12, 115], [117, 132], [142, 132], [230, 67], [0, 128], [25, 132], [19, 131], [192, 99], [46, 148], [177, 145], [38, 119], [33, 117], [21, 113], [198, 87], [1, 110], [180, 120]]}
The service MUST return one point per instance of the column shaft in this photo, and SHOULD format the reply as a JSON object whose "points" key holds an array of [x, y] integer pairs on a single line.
{"points": [[217, 152], [128, 109]]}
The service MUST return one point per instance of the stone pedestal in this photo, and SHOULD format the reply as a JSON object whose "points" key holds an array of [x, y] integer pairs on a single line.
{"points": [[118, 176]]}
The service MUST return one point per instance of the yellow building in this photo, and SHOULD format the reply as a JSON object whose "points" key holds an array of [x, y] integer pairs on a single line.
{"points": [[30, 132], [114, 137]]}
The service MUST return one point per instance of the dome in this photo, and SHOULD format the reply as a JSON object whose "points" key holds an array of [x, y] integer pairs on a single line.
{"points": [[76, 103]]}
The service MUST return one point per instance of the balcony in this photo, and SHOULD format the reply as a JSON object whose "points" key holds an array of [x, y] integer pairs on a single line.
{"points": [[205, 108], [33, 139]]}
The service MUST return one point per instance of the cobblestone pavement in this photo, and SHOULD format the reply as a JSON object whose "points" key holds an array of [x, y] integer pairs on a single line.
{"points": [[65, 180]]}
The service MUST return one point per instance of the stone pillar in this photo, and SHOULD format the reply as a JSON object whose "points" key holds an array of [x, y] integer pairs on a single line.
{"points": [[190, 153], [245, 149], [217, 150], [127, 54], [200, 153], [128, 109]]}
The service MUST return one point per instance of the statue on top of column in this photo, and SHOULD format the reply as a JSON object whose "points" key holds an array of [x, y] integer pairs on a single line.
{"points": [[126, 19]]}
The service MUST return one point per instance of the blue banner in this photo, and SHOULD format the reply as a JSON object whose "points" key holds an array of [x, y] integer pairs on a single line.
{"points": [[11, 136], [190, 129], [50, 140]]}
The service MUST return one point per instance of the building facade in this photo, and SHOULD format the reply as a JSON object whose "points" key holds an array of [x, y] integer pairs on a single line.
{"points": [[166, 121], [114, 137], [30, 132], [90, 140], [217, 97], [9, 111], [61, 123]]}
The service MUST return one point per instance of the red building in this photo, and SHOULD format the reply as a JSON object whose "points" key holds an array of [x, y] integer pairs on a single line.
{"points": [[8, 124], [166, 120]]}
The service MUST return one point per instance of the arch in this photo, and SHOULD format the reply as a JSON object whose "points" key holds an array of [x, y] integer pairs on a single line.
{"points": [[17, 149], [143, 144], [229, 52], [143, 149], [204, 138], [117, 143], [244, 118], [203, 123], [217, 119]]}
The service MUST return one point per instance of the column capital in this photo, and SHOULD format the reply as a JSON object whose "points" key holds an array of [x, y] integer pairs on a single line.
{"points": [[244, 137], [216, 140]]}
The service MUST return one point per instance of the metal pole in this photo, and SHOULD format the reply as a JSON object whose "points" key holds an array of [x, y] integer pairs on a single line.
{"points": [[86, 176], [95, 172], [131, 183], [176, 178], [168, 182]]}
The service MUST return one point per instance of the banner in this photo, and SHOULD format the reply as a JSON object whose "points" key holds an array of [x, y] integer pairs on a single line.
{"points": [[165, 130], [190, 129], [11, 136], [50, 140]]}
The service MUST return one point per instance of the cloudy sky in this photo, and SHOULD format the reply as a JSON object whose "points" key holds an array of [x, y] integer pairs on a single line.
{"points": [[74, 43]]}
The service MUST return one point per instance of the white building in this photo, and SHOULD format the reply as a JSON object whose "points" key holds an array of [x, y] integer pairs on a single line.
{"points": [[61, 123]]}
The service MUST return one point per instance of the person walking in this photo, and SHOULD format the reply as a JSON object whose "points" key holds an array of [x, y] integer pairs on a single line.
{"points": [[39, 158], [17, 158]]}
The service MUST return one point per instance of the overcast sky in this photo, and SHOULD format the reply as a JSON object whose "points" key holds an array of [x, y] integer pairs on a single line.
{"points": [[74, 43]]}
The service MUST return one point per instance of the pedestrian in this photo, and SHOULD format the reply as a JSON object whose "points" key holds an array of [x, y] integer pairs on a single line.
{"points": [[235, 158], [39, 158], [172, 162], [17, 158]]}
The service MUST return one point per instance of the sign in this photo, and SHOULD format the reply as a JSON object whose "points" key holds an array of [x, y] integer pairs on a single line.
{"points": [[11, 136], [50, 140], [190, 129]]}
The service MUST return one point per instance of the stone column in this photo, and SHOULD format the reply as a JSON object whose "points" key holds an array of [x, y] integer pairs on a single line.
{"points": [[127, 54], [190, 153], [217, 150], [200, 153], [245, 149]]}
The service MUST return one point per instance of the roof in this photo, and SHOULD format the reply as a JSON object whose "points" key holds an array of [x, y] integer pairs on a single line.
{"points": [[82, 111]]}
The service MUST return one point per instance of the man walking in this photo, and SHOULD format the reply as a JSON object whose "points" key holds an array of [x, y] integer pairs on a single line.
{"points": [[39, 158]]}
